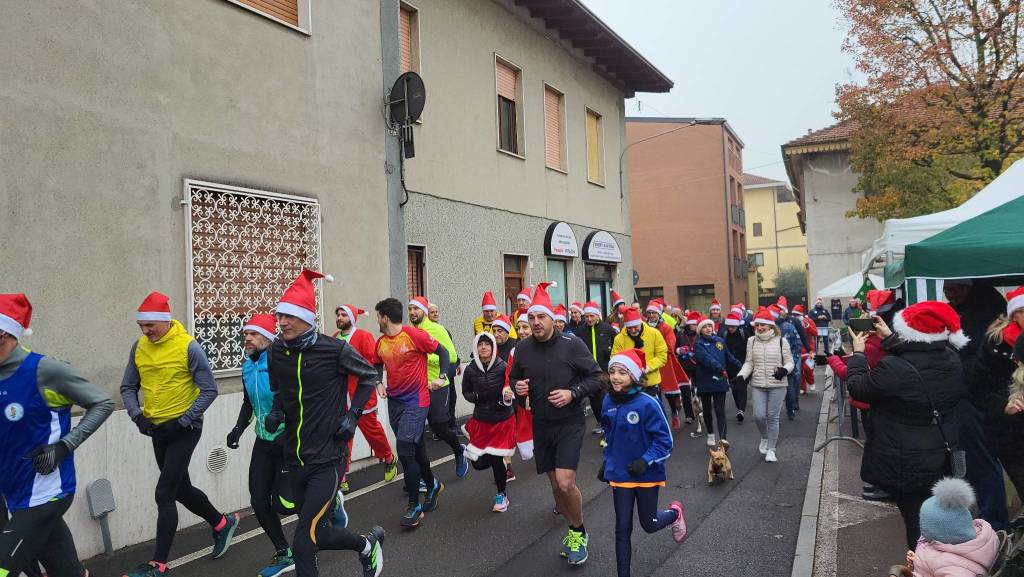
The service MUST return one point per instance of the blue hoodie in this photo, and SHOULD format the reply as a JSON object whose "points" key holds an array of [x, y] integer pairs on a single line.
{"points": [[712, 356], [635, 429]]}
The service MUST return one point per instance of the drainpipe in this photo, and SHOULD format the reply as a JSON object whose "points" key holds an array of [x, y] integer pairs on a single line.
{"points": [[390, 69]]}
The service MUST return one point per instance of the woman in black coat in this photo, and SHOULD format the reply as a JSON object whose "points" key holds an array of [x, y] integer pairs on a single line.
{"points": [[906, 450]]}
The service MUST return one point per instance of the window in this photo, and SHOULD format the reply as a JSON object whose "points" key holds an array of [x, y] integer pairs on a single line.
{"points": [[595, 148], [515, 279], [508, 79], [757, 259], [416, 283], [783, 194], [554, 128], [696, 297], [558, 271], [646, 295], [757, 229], [245, 247], [292, 13], [409, 38]]}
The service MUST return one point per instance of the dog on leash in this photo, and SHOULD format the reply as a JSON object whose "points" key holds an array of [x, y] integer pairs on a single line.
{"points": [[719, 465], [698, 414]]}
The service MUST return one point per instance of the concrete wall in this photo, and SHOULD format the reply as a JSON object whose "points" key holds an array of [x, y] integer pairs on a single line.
{"points": [[456, 143], [834, 241], [781, 240]]}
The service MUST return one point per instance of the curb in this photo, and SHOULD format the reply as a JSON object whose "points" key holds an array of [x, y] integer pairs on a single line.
{"points": [[803, 558]]}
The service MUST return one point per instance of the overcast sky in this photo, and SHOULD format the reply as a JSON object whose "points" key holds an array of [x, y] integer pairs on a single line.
{"points": [[769, 68]]}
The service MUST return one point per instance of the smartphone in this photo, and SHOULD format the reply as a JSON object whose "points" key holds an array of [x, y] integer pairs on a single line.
{"points": [[862, 325]]}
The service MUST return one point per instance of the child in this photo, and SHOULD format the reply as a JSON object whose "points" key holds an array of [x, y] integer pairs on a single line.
{"points": [[953, 543], [492, 428], [639, 443]]}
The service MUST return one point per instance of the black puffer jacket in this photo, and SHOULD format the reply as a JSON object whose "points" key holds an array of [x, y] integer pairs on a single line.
{"points": [[601, 336], [482, 385], [990, 391], [905, 450], [736, 342]]}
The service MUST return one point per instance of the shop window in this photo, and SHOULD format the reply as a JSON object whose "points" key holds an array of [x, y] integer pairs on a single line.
{"points": [[558, 272]]}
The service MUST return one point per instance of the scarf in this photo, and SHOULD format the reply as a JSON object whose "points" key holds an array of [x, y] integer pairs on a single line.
{"points": [[619, 398], [303, 341]]}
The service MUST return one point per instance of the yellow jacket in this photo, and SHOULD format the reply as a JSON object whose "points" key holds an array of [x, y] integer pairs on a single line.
{"points": [[480, 325], [655, 350]]}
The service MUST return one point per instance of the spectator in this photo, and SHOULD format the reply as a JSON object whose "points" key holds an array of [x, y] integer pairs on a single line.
{"points": [[853, 311], [819, 314]]}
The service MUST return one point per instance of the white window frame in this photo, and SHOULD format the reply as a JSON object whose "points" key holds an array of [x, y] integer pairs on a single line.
{"points": [[520, 109], [305, 16], [564, 130]]}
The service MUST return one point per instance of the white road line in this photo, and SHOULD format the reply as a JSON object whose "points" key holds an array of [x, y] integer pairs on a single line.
{"points": [[292, 518]]}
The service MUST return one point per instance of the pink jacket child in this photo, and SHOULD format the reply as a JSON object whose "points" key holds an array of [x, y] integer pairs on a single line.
{"points": [[953, 543]]}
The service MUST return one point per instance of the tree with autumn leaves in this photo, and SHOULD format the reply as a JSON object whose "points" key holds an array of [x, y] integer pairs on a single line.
{"points": [[941, 112]]}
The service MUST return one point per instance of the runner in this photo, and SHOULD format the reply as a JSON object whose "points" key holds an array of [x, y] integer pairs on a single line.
{"points": [[454, 369], [492, 429], [807, 353], [501, 328], [346, 317], [576, 317], [439, 417], [37, 481], [561, 320], [267, 465], [176, 380], [598, 336], [672, 375], [715, 314], [640, 335], [484, 322], [523, 302], [686, 340], [309, 375], [554, 373], [404, 351]]}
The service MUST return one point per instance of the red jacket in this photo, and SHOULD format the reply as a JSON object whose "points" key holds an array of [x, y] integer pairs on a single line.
{"points": [[672, 373], [872, 350], [363, 342]]}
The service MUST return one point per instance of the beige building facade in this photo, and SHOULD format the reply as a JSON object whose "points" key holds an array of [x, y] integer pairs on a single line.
{"points": [[775, 239]]}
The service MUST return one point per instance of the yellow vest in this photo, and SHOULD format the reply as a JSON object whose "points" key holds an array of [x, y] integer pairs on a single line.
{"points": [[480, 325], [167, 386]]}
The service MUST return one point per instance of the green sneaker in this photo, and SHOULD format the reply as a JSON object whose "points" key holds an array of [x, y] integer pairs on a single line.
{"points": [[145, 570], [576, 543], [343, 486], [391, 469], [222, 538]]}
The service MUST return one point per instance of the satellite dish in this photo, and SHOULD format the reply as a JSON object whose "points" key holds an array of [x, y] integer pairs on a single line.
{"points": [[405, 105]]}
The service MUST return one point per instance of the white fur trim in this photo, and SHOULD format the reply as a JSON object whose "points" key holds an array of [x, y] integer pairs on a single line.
{"points": [[152, 316], [654, 308], [576, 307], [494, 350], [525, 450], [419, 305], [261, 331], [522, 319], [561, 318], [620, 300], [591, 311], [715, 308], [308, 316], [351, 317], [634, 323], [700, 325], [540, 309], [733, 323], [12, 327], [764, 322], [959, 340], [502, 324], [1013, 304], [489, 307], [899, 325], [629, 364]]}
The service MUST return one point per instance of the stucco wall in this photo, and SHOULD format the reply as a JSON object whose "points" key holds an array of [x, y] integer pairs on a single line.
{"points": [[791, 243], [834, 241]]}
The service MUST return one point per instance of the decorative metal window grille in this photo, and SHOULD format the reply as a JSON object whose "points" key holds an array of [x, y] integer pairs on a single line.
{"points": [[244, 248]]}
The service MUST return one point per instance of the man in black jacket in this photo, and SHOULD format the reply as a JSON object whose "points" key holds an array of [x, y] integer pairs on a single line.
{"points": [[598, 336], [555, 372], [318, 422]]}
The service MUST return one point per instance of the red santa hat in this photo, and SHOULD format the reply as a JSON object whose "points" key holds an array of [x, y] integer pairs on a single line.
{"points": [[693, 317], [616, 327], [704, 321], [880, 301], [488, 303], [524, 295], [733, 320], [15, 315], [715, 305], [930, 322], [655, 305], [352, 311], [775, 311], [155, 307], [1014, 300], [739, 309], [502, 322], [560, 313], [299, 300], [522, 319], [783, 304], [631, 317], [764, 316], [591, 309], [616, 299], [799, 310], [541, 302], [264, 324], [421, 303], [576, 306], [633, 360]]}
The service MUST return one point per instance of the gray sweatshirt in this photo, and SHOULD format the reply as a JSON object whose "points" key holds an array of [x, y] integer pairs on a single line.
{"points": [[202, 376], [65, 387]]}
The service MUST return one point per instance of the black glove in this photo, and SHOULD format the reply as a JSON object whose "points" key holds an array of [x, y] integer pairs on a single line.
{"points": [[737, 381], [169, 430], [600, 474], [46, 458], [273, 421], [637, 467], [233, 437], [144, 425], [780, 373], [347, 429]]}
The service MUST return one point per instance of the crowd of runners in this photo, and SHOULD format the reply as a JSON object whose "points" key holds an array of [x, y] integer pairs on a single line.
{"points": [[529, 378]]}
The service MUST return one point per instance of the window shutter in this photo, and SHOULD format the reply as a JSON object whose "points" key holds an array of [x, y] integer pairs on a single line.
{"points": [[553, 128], [594, 168], [285, 10], [506, 81], [405, 39]]}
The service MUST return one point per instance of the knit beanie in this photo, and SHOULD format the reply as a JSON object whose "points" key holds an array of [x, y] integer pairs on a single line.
{"points": [[946, 515]]}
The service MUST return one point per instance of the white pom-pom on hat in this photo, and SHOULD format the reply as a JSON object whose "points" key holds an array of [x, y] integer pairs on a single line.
{"points": [[329, 278], [952, 492]]}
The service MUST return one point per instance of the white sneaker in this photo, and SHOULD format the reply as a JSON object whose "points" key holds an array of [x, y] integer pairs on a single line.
{"points": [[813, 387], [711, 440], [763, 447], [770, 457]]}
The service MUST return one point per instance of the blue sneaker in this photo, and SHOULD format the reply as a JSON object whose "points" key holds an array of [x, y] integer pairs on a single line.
{"points": [[423, 486], [575, 543], [500, 503], [340, 517], [281, 563], [222, 538], [430, 503], [413, 516], [461, 462]]}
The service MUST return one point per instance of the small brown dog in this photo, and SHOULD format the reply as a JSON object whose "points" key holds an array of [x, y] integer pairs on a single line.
{"points": [[719, 465]]}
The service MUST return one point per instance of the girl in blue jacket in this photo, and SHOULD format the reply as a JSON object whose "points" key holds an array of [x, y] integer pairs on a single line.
{"points": [[712, 380], [639, 443]]}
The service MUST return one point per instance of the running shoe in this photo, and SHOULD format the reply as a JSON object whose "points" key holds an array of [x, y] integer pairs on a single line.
{"points": [[339, 517], [763, 446], [423, 487], [555, 511], [688, 420], [598, 430], [602, 443], [222, 538], [740, 416], [373, 562], [679, 525], [676, 425], [576, 543], [509, 475], [711, 440], [282, 562], [343, 486], [430, 503], [461, 462], [413, 516], [391, 469], [770, 457], [145, 570], [500, 503]]}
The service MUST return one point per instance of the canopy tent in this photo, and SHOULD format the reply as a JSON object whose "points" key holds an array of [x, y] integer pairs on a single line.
{"points": [[847, 286], [900, 232]]}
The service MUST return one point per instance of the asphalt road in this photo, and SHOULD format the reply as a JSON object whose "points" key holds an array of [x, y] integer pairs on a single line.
{"points": [[747, 526]]}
